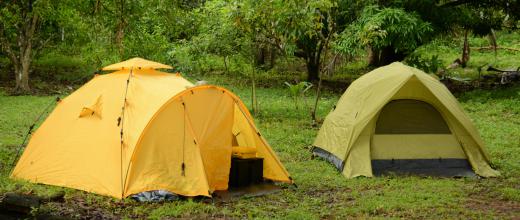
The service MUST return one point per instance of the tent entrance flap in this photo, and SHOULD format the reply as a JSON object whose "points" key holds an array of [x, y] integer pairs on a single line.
{"points": [[411, 136]]}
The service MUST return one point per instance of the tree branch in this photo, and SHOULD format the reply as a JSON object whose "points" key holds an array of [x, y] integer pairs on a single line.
{"points": [[491, 48]]}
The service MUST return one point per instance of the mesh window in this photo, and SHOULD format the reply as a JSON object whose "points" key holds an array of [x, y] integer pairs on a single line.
{"points": [[407, 116]]}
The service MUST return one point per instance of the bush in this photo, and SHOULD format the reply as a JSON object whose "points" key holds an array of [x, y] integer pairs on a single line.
{"points": [[60, 68], [6, 70], [429, 65]]}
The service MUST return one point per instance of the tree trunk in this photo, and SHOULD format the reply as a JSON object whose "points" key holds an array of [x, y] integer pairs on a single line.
{"points": [[465, 49], [22, 77], [120, 28], [318, 93], [384, 56], [389, 55], [20, 53], [272, 60], [260, 57], [25, 64], [313, 69], [254, 102], [225, 64], [120, 34], [493, 42], [373, 56]]}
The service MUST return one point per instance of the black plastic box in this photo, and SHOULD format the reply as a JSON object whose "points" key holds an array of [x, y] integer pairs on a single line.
{"points": [[245, 172]]}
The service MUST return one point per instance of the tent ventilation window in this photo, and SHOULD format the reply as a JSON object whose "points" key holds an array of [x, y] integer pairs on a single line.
{"points": [[93, 110]]}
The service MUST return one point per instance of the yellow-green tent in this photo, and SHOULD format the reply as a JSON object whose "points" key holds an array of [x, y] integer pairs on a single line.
{"points": [[400, 117], [170, 135]]}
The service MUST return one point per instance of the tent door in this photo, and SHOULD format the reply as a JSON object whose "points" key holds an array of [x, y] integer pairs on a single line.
{"points": [[411, 136]]}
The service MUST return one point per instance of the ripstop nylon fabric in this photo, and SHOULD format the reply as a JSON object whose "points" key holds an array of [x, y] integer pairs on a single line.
{"points": [[167, 123], [348, 130]]}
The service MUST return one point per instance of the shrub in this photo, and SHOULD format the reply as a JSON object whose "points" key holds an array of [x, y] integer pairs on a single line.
{"points": [[61, 68], [429, 65]]}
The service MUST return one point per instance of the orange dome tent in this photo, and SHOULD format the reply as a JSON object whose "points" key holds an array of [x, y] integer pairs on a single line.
{"points": [[169, 135]]}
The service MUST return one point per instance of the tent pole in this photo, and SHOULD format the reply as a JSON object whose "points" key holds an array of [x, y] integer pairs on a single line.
{"points": [[183, 166], [121, 121]]}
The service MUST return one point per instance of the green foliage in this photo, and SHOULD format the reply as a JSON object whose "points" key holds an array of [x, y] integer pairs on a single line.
{"points": [[298, 90], [429, 65], [59, 68], [447, 49], [380, 28]]}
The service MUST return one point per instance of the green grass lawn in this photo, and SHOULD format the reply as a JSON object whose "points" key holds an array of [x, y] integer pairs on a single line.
{"points": [[322, 192], [449, 48]]}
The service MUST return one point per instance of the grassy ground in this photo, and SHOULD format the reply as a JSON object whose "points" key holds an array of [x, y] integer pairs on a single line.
{"points": [[449, 48], [322, 192]]}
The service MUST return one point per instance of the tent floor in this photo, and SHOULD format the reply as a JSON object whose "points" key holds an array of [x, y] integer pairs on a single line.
{"points": [[424, 167], [249, 191]]}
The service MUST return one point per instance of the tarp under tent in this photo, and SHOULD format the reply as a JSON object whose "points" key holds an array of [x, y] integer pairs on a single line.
{"points": [[397, 118], [138, 129]]}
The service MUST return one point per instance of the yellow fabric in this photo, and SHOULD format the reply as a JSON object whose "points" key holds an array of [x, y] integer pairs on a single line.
{"points": [[250, 136], [244, 152], [95, 109], [137, 63], [416, 146], [362, 102], [167, 122]]}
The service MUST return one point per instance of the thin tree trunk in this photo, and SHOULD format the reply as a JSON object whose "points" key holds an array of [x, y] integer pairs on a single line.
{"points": [[225, 64], [318, 94], [272, 58], [465, 49], [493, 42], [120, 28], [254, 103]]}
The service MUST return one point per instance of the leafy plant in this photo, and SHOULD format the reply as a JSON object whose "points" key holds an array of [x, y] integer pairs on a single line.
{"points": [[429, 65], [388, 33], [298, 90]]}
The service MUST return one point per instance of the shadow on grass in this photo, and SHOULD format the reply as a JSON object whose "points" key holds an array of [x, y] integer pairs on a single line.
{"points": [[484, 95]]}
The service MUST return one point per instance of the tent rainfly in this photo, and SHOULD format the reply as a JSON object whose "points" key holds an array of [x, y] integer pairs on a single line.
{"points": [[138, 129], [400, 119]]}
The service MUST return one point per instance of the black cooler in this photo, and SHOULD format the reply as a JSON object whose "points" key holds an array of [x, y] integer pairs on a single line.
{"points": [[245, 172]]}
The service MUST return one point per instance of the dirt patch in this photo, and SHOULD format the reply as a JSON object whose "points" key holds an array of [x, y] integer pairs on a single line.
{"points": [[499, 207], [78, 208]]}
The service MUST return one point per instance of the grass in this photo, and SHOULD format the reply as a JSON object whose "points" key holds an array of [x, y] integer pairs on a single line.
{"points": [[449, 48], [321, 192]]}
